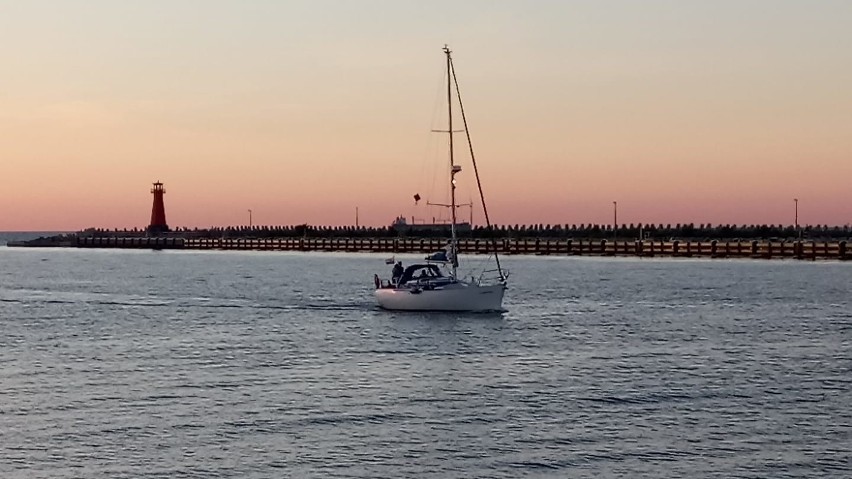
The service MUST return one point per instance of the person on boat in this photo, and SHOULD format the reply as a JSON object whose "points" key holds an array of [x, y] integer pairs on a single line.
{"points": [[397, 272]]}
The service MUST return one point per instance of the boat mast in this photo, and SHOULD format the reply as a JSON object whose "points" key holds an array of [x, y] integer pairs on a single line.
{"points": [[475, 169], [453, 168]]}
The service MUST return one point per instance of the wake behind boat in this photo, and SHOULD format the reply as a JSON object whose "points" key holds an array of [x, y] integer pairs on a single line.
{"points": [[435, 285]]}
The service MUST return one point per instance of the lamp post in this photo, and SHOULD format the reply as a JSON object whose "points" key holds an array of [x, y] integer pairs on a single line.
{"points": [[796, 220], [249, 218], [614, 220]]}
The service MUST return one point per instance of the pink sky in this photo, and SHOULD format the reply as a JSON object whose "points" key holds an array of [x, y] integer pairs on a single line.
{"points": [[700, 112]]}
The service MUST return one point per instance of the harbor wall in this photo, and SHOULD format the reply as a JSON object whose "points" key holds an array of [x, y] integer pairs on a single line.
{"points": [[813, 250]]}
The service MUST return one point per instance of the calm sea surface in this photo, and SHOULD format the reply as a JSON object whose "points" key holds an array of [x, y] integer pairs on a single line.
{"points": [[143, 364]]}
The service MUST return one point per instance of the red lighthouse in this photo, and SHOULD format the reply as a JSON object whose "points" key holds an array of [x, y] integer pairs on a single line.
{"points": [[158, 212]]}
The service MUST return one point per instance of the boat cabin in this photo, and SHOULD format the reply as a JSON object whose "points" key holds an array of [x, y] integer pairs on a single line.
{"points": [[420, 271]]}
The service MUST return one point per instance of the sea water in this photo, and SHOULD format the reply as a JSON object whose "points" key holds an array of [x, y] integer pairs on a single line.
{"points": [[169, 364]]}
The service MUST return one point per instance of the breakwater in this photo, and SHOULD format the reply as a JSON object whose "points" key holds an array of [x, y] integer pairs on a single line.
{"points": [[765, 249]]}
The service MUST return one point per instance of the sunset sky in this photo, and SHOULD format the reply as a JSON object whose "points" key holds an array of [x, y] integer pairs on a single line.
{"points": [[682, 111]]}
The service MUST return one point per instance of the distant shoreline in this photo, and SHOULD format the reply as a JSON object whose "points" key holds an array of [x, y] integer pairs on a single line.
{"points": [[658, 232]]}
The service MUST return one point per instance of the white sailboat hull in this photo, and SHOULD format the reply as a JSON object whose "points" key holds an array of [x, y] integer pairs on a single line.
{"points": [[452, 297]]}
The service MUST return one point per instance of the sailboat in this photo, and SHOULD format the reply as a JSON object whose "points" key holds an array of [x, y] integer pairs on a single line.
{"points": [[435, 284]]}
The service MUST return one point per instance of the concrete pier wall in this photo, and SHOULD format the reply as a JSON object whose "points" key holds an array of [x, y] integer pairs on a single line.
{"points": [[709, 249]]}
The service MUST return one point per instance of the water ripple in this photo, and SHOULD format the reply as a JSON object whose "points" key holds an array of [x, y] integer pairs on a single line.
{"points": [[264, 365]]}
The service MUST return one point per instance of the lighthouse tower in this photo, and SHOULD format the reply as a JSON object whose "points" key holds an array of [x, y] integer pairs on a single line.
{"points": [[158, 212]]}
